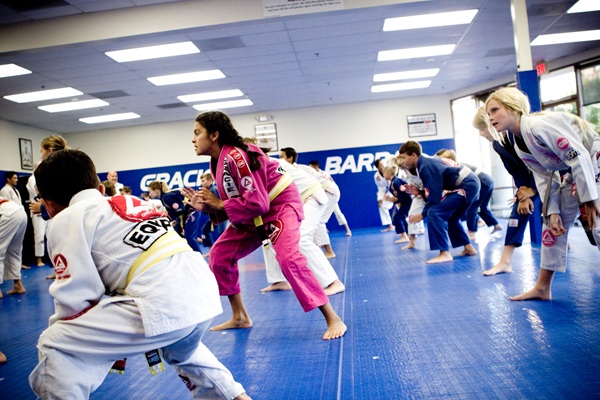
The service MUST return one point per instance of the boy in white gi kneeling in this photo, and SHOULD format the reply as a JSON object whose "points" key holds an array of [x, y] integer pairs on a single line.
{"points": [[126, 284]]}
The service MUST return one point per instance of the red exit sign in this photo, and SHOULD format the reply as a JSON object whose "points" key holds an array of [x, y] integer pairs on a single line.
{"points": [[540, 68]]}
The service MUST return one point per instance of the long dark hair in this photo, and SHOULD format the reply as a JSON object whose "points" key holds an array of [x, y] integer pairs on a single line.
{"points": [[216, 121]]}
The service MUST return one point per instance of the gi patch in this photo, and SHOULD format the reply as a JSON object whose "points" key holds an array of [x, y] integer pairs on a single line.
{"points": [[133, 209], [246, 182], [514, 223], [572, 154], [61, 267], [275, 229], [548, 238], [562, 143], [145, 233]]}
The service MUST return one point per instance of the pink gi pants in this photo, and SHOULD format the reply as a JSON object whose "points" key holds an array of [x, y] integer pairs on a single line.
{"points": [[238, 242]]}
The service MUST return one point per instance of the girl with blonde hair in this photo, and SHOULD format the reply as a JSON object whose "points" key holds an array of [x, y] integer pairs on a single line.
{"points": [[563, 153]]}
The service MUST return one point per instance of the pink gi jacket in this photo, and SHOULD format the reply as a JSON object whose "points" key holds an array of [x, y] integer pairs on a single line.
{"points": [[246, 193]]}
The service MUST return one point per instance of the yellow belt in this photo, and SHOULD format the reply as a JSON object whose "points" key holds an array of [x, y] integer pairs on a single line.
{"points": [[167, 245], [282, 183], [310, 191]]}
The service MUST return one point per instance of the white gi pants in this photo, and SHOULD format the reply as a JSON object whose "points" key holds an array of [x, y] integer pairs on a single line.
{"points": [[39, 234], [75, 355], [384, 212], [554, 248], [339, 216], [321, 234], [315, 258], [416, 208], [12, 230]]}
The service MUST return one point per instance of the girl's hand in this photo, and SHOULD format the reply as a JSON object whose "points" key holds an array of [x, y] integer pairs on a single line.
{"points": [[525, 207], [556, 225], [525, 192]]}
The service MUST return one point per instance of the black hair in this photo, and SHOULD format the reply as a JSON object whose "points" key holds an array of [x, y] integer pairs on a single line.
{"points": [[217, 121], [290, 153], [63, 174], [8, 175]]}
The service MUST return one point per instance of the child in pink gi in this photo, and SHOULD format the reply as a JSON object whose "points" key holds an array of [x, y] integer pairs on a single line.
{"points": [[253, 185]]}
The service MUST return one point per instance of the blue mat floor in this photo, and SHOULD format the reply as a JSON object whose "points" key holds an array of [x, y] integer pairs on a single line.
{"points": [[415, 331]]}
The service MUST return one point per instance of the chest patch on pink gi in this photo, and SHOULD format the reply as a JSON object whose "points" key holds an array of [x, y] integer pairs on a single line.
{"points": [[133, 209], [548, 238]]}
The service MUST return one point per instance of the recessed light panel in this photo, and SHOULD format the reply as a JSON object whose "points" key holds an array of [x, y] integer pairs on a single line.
{"points": [[400, 86], [73, 105], [43, 95], [187, 77], [429, 20], [401, 75], [415, 52], [7, 70], [109, 118], [584, 6], [223, 104], [222, 94], [567, 37], [151, 52]]}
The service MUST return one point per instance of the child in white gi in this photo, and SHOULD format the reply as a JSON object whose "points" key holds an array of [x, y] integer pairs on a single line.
{"points": [[563, 152], [13, 223], [126, 284]]}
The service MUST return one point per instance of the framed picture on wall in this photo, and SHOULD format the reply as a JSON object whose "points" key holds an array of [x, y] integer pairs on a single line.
{"points": [[267, 136], [421, 125], [26, 149]]}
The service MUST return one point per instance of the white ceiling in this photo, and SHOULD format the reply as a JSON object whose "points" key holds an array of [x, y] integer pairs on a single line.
{"points": [[279, 63]]}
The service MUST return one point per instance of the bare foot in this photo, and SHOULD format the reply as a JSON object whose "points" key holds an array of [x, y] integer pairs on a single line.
{"points": [[330, 254], [41, 265], [497, 228], [534, 294], [283, 285], [233, 324], [441, 258], [335, 329], [335, 287], [388, 229], [499, 268], [2, 358], [468, 251], [410, 245], [25, 267], [53, 276], [243, 396], [403, 239], [16, 291], [348, 233]]}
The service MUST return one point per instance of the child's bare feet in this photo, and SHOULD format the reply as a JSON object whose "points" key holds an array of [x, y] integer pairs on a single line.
{"points": [[499, 268], [241, 323], [468, 251], [348, 233], [335, 287], [497, 228], [283, 285], [534, 294], [388, 229], [23, 266], [335, 330], [410, 245], [17, 289], [329, 254], [444, 256], [2, 358], [243, 396], [53, 276]]}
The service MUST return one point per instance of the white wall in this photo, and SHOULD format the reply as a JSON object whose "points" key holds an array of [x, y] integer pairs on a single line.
{"points": [[308, 129], [10, 156]]}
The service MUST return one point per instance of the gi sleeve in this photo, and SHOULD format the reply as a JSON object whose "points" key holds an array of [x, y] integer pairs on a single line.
{"points": [[78, 285]]}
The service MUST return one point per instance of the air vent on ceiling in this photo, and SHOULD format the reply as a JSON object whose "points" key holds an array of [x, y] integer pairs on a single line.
{"points": [[547, 9], [171, 105], [506, 51], [110, 94], [224, 43], [32, 5]]}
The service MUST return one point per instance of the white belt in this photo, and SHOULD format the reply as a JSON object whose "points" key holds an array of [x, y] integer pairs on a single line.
{"points": [[464, 172]]}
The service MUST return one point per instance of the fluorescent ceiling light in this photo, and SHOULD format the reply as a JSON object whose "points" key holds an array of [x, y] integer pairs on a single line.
{"points": [[109, 118], [223, 104], [567, 37], [7, 70], [415, 52], [429, 20], [187, 77], [223, 94], [150, 52], [43, 95], [584, 6], [73, 105], [396, 76], [400, 86]]}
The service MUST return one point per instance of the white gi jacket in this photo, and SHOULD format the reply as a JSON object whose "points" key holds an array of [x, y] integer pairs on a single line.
{"points": [[92, 250], [557, 143]]}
